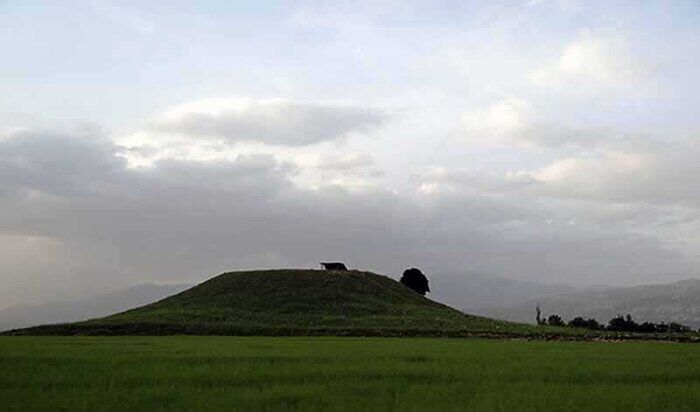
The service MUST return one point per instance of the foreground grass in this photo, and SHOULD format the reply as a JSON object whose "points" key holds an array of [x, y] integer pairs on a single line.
{"points": [[241, 373]]}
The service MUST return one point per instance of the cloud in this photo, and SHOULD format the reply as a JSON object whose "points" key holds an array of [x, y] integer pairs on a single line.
{"points": [[55, 163], [514, 122], [103, 224], [276, 121], [638, 186], [592, 61], [654, 173], [627, 170], [501, 120], [446, 180], [345, 161]]}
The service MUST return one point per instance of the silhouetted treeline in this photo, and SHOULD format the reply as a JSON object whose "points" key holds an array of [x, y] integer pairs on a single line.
{"points": [[617, 324], [626, 324]]}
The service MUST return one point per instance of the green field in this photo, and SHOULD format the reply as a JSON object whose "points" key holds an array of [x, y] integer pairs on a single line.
{"points": [[305, 373]]}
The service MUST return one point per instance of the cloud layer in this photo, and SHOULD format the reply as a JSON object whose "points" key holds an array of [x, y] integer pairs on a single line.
{"points": [[83, 210]]}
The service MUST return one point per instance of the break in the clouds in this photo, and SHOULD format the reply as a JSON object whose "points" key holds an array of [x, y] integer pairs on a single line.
{"points": [[550, 141]]}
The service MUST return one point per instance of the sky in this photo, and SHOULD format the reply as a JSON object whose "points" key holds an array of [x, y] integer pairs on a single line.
{"points": [[168, 141]]}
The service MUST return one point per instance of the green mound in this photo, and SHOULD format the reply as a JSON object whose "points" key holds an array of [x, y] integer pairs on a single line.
{"points": [[292, 302]]}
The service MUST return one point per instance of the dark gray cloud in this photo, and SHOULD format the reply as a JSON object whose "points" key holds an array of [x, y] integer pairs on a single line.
{"points": [[54, 163]]}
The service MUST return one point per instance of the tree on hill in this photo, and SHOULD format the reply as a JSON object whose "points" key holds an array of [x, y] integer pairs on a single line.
{"points": [[416, 280]]}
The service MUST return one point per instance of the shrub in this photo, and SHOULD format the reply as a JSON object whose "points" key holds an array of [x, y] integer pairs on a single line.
{"points": [[647, 327], [555, 320], [626, 324], [580, 322]]}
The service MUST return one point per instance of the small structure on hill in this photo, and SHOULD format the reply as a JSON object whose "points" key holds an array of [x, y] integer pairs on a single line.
{"points": [[334, 266]]}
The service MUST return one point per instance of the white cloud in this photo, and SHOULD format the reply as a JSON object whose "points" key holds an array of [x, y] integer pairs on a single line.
{"points": [[577, 170], [652, 174], [606, 176], [514, 122], [592, 61], [314, 137], [499, 121], [438, 180]]}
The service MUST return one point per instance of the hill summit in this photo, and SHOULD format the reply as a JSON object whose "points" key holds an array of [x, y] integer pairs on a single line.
{"points": [[289, 302]]}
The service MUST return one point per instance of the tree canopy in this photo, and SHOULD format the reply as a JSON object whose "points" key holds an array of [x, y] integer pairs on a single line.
{"points": [[416, 280]]}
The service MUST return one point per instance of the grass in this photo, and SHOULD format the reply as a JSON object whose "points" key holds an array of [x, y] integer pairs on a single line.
{"points": [[185, 373]]}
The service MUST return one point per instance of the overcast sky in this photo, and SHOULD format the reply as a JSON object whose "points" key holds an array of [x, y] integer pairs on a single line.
{"points": [[168, 141]]}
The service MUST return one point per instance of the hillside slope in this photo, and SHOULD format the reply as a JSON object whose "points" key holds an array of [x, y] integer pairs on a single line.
{"points": [[671, 302], [291, 302]]}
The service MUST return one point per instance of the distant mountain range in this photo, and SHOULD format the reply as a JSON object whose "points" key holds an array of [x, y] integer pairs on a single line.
{"points": [[471, 292], [95, 306], [670, 302]]}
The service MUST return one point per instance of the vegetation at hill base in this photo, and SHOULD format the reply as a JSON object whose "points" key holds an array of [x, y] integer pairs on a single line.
{"points": [[617, 324], [195, 373]]}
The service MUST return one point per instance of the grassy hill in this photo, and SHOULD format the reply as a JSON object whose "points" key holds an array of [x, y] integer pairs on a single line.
{"points": [[293, 302]]}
